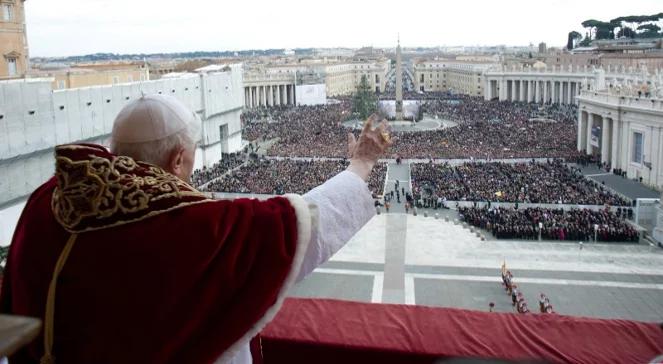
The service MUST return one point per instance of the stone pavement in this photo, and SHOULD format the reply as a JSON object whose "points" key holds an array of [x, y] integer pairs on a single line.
{"points": [[625, 186], [400, 173], [438, 263]]}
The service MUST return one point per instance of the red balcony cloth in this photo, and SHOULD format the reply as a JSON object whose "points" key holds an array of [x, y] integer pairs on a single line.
{"points": [[333, 331]]}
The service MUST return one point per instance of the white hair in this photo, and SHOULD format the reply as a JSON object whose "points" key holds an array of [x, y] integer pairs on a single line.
{"points": [[158, 151]]}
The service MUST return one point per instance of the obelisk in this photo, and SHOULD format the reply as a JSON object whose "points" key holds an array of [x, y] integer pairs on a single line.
{"points": [[399, 82]]}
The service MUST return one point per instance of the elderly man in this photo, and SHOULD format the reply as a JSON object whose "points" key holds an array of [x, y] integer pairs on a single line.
{"points": [[125, 262]]}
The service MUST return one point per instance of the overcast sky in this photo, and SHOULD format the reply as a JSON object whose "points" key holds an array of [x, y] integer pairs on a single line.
{"points": [[73, 27]]}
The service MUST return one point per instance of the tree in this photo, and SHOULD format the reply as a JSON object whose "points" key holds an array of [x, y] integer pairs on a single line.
{"points": [[649, 31], [586, 41], [364, 101], [573, 38], [626, 32]]}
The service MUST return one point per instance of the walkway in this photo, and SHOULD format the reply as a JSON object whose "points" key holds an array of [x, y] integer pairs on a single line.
{"points": [[625, 186], [400, 173]]}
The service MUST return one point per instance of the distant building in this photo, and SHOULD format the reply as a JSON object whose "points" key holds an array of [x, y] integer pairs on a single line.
{"points": [[158, 69], [274, 84], [450, 75], [624, 125], [14, 55], [95, 74], [542, 48]]}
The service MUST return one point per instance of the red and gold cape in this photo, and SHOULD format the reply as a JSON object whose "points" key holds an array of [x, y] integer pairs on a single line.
{"points": [[126, 263]]}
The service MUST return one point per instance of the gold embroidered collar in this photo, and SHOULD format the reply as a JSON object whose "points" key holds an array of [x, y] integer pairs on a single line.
{"points": [[96, 189]]}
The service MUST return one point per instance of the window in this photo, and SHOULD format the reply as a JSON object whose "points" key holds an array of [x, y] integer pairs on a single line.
{"points": [[61, 84], [11, 66], [637, 148], [130, 78], [116, 80], [7, 12]]}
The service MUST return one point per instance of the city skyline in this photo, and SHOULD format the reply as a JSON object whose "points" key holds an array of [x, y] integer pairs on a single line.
{"points": [[122, 26]]}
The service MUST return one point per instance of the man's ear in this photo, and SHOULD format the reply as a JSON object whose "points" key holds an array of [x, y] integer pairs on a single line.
{"points": [[176, 161]]}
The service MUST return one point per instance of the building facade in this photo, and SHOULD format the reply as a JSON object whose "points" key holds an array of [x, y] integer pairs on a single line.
{"points": [[626, 129], [14, 54], [269, 85], [451, 75], [617, 62], [556, 84], [35, 118], [87, 75]]}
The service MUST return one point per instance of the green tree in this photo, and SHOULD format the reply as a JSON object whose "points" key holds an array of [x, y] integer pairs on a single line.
{"points": [[626, 32], [573, 38], [586, 41], [601, 29], [364, 101], [649, 31]]}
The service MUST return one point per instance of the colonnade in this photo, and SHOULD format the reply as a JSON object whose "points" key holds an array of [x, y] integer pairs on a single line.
{"points": [[534, 90], [269, 95], [607, 143]]}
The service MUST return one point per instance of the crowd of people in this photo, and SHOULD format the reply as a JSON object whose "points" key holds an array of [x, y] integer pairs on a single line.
{"points": [[494, 129], [303, 131], [280, 176], [548, 182], [228, 161], [556, 224]]}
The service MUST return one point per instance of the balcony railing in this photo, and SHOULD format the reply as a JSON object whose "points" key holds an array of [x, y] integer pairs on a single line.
{"points": [[624, 100]]}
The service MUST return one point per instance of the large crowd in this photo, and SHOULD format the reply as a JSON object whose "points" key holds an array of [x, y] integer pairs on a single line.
{"points": [[304, 131], [228, 161], [551, 182], [272, 176], [557, 224], [486, 129]]}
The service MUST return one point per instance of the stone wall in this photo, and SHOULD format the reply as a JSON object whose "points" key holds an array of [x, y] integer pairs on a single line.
{"points": [[34, 118]]}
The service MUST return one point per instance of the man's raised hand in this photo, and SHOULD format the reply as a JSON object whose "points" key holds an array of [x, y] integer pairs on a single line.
{"points": [[372, 143]]}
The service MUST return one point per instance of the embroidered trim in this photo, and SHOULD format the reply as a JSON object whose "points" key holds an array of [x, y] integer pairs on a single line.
{"points": [[97, 192]]}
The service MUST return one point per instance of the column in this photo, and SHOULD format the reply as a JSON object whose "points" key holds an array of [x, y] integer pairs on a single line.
{"points": [[545, 91], [553, 93], [560, 95], [536, 91], [256, 95], [624, 147], [614, 139], [590, 124], [569, 97], [521, 94], [264, 95], [606, 143], [278, 95], [558, 92], [582, 131], [293, 95]]}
